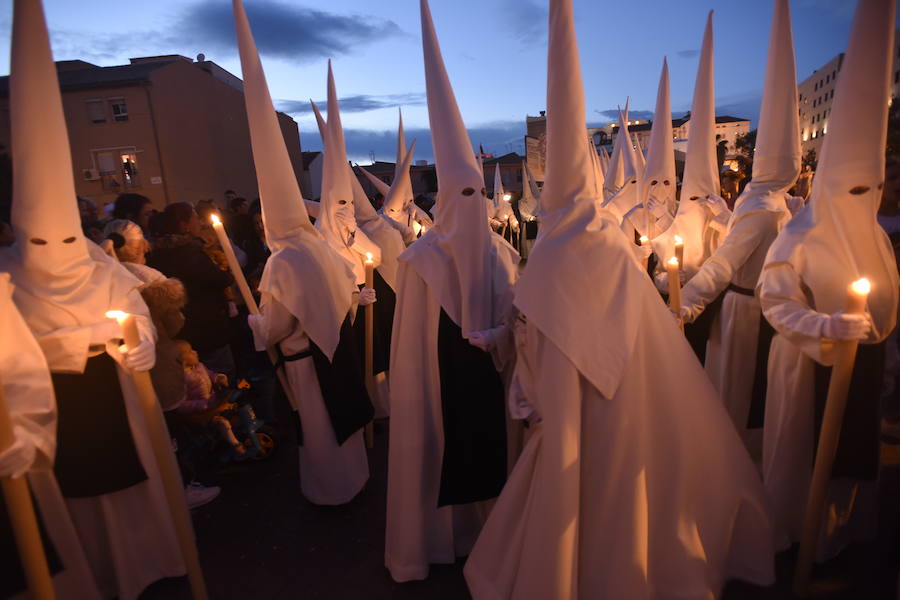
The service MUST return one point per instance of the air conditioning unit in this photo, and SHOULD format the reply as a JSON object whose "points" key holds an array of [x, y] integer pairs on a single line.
{"points": [[91, 174]]}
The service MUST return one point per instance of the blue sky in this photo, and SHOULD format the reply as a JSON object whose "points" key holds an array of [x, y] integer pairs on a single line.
{"points": [[495, 52]]}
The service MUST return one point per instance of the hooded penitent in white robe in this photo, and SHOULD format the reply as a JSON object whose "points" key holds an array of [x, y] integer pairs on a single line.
{"points": [[307, 292], [738, 341], [627, 196], [831, 242], [64, 285], [28, 398], [694, 222], [448, 441], [614, 176], [634, 484]]}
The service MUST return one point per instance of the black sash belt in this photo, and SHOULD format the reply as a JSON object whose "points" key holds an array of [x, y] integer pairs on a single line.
{"points": [[740, 290], [858, 448], [474, 419], [95, 452]]}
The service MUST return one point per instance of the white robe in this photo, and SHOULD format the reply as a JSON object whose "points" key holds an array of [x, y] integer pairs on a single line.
{"points": [[329, 474], [128, 536], [648, 494], [731, 350], [789, 431], [28, 395], [418, 533]]}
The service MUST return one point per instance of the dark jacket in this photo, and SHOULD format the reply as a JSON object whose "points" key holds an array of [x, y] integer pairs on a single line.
{"points": [[206, 312]]}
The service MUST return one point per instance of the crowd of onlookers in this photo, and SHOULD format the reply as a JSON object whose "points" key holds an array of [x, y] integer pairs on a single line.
{"points": [[205, 350]]}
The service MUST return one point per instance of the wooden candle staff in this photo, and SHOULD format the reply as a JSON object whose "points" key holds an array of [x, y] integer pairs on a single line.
{"points": [[165, 460], [249, 300], [24, 521], [673, 268], [370, 349], [829, 435]]}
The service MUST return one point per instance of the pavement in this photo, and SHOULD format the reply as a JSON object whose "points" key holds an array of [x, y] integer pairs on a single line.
{"points": [[261, 539]]}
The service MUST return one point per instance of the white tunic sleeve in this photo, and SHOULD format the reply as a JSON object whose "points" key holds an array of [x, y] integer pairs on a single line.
{"points": [[786, 307], [718, 271]]}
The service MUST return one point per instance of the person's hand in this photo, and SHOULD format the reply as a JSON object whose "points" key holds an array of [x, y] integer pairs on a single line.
{"points": [[140, 358], [367, 296], [485, 340], [846, 327], [104, 331], [715, 204], [794, 203], [221, 380], [684, 315], [656, 208], [346, 220]]}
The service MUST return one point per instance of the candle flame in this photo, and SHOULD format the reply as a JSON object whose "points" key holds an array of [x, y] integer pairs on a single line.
{"points": [[861, 286], [644, 239], [679, 241], [215, 219], [118, 315], [507, 197], [673, 261], [368, 257], [416, 227]]}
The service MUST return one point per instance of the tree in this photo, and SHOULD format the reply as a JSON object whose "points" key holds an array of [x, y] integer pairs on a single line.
{"points": [[745, 143]]}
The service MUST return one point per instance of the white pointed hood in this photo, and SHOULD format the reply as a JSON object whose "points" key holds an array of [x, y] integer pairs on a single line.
{"points": [[337, 208], [577, 240], [400, 194], [639, 154], [529, 204], [378, 184], [614, 177], [304, 274], [52, 263], [776, 160], [604, 163], [701, 175], [498, 185], [658, 180], [452, 258], [598, 172], [837, 230], [627, 196], [401, 140]]}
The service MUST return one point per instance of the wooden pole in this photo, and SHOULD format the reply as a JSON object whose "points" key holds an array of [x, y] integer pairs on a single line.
{"points": [[370, 348], [250, 301], [673, 267], [24, 521], [829, 435], [165, 460]]}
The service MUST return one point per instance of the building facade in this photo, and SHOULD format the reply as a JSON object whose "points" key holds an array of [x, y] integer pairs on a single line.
{"points": [[167, 127], [816, 95]]}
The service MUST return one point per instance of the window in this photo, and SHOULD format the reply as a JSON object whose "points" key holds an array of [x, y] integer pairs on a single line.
{"points": [[828, 79], [833, 75], [96, 111], [118, 169], [816, 88], [897, 77], [832, 94], [119, 109]]}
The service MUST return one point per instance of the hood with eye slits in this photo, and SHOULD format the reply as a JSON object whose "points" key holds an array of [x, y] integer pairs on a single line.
{"points": [[835, 239]]}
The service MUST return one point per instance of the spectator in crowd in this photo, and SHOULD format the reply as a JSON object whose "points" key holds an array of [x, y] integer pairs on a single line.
{"points": [[7, 237], [90, 220], [179, 253], [134, 207]]}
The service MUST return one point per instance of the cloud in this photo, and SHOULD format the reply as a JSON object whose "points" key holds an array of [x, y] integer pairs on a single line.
{"points": [[281, 31], [613, 114], [497, 138], [688, 53], [526, 19], [354, 104]]}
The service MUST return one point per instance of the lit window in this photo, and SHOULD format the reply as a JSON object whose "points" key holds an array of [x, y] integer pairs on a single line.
{"points": [[96, 111], [130, 176], [119, 109]]}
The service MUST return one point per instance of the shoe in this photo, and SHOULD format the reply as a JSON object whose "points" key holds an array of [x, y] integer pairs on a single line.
{"points": [[197, 495]]}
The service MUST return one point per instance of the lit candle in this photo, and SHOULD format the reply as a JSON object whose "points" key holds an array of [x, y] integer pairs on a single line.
{"points": [[679, 251], [369, 348], [643, 242], [233, 265], [417, 228], [672, 268], [165, 460], [829, 435]]}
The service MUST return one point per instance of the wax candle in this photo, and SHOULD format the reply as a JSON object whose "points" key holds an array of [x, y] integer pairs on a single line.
{"points": [[679, 251], [672, 268], [233, 264], [369, 348], [643, 242]]}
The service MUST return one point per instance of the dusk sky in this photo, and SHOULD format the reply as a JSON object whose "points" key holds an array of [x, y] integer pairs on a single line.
{"points": [[495, 52]]}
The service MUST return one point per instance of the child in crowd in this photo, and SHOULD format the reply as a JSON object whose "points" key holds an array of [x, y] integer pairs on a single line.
{"points": [[202, 403]]}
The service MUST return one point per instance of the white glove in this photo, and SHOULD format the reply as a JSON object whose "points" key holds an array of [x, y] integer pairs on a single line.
{"points": [[794, 203], [656, 208], [643, 252], [366, 296], [140, 358], [716, 204], [104, 331], [662, 280], [684, 315], [847, 327], [16, 460], [485, 340]]}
